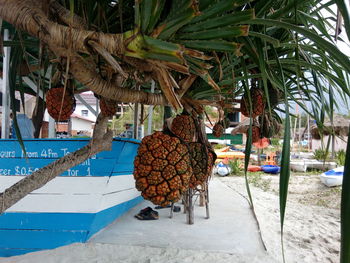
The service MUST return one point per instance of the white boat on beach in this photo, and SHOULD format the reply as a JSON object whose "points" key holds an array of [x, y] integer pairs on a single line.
{"points": [[302, 155], [305, 164], [333, 177]]}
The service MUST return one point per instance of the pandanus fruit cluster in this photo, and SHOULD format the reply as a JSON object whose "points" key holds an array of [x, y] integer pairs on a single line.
{"points": [[267, 123], [60, 103], [168, 162]]}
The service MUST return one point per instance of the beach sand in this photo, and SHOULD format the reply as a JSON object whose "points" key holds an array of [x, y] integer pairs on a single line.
{"points": [[311, 230], [312, 221]]}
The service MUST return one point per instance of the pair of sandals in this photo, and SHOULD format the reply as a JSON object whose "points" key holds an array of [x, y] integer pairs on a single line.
{"points": [[147, 214]]}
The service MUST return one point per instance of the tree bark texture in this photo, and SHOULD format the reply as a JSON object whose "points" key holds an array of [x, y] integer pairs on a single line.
{"points": [[25, 15], [101, 141], [89, 78]]}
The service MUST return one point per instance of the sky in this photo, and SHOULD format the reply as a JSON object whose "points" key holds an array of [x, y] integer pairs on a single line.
{"points": [[343, 46]]}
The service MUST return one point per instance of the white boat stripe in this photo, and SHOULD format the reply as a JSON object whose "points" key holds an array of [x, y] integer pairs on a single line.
{"points": [[74, 194], [93, 203], [77, 185]]}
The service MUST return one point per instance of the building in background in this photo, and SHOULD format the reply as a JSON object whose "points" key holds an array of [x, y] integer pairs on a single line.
{"points": [[227, 137]]}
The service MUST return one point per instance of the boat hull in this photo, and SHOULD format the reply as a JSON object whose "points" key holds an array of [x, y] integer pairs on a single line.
{"points": [[304, 165], [271, 169], [73, 206], [333, 177], [254, 168]]}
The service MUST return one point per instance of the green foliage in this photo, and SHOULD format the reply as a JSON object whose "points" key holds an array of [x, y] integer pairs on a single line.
{"points": [[345, 209], [236, 167], [321, 154], [291, 49], [219, 146], [257, 180], [118, 124], [340, 157], [212, 113], [275, 141]]}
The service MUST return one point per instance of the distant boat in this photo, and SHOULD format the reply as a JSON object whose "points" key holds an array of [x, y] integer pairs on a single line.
{"points": [[73, 206], [254, 168], [222, 169], [333, 177], [271, 169], [304, 164], [230, 155]]}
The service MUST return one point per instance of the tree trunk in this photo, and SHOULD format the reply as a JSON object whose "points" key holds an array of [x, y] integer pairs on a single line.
{"points": [[101, 141], [38, 116]]}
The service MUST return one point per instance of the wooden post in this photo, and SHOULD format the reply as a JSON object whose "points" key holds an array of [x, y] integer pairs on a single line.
{"points": [[150, 112], [171, 210], [136, 121], [5, 122], [190, 212], [52, 129], [201, 198], [206, 190]]}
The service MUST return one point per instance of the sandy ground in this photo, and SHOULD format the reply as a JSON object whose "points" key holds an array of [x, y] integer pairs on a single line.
{"points": [[311, 230], [312, 222], [110, 253]]}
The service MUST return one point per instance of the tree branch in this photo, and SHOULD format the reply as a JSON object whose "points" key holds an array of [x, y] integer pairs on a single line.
{"points": [[66, 17], [86, 75], [101, 141], [28, 17]]}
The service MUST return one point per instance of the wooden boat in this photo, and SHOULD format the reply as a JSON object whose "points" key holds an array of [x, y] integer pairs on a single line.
{"points": [[333, 177], [73, 206]]}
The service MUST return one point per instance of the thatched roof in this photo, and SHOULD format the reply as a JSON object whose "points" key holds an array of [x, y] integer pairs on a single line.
{"points": [[340, 127]]}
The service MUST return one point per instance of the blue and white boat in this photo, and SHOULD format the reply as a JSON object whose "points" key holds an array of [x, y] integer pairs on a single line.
{"points": [[73, 206], [333, 177], [222, 169]]}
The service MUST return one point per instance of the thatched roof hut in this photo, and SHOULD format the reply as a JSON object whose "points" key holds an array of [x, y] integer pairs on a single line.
{"points": [[340, 127]]}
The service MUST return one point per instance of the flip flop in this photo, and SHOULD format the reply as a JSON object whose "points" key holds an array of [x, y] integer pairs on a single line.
{"points": [[145, 210], [147, 214]]}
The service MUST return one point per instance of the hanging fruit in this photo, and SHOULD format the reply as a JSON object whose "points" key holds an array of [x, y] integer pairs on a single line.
{"points": [[183, 126], [203, 160], [108, 107], [218, 129], [276, 126], [255, 134], [274, 97], [257, 100], [162, 168], [60, 103], [267, 129]]}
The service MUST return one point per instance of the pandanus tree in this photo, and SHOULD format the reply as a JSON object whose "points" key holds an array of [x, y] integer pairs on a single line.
{"points": [[198, 52]]}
